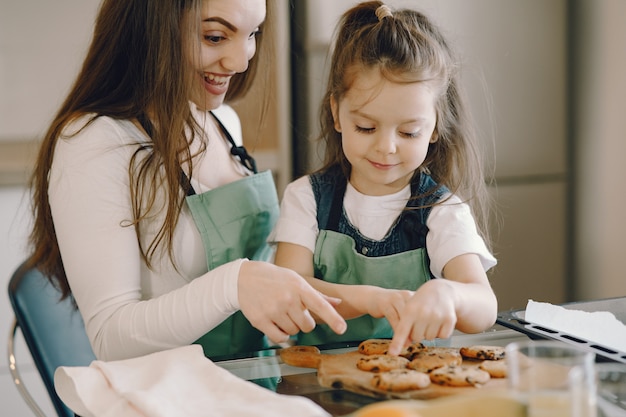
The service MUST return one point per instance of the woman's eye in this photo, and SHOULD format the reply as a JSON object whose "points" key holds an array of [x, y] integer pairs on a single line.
{"points": [[363, 129], [214, 39], [410, 134], [255, 34]]}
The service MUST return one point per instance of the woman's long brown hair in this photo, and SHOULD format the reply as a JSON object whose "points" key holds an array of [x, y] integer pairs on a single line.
{"points": [[135, 65]]}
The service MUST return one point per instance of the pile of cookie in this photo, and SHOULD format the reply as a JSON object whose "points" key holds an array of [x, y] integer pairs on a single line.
{"points": [[418, 366]]}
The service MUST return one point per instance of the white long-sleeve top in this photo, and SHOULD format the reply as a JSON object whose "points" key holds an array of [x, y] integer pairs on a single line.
{"points": [[128, 309], [452, 229]]}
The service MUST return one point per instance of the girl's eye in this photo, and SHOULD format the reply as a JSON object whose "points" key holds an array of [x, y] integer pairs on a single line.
{"points": [[410, 135], [360, 129]]}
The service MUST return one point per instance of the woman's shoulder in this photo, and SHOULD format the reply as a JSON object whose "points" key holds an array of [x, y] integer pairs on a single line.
{"points": [[111, 130], [91, 138]]}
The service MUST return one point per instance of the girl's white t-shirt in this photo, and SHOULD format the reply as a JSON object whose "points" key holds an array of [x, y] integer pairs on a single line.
{"points": [[452, 229], [130, 310]]}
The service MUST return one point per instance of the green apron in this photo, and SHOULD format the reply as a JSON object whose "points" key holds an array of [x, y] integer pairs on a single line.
{"points": [[336, 260], [234, 221]]}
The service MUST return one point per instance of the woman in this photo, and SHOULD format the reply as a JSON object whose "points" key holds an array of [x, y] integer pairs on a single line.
{"points": [[146, 207]]}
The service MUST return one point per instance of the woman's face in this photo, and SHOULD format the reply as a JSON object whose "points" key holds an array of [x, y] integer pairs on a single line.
{"points": [[226, 42]]}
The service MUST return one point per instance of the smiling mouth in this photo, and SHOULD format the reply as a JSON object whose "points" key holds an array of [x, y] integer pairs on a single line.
{"points": [[215, 80], [382, 166]]}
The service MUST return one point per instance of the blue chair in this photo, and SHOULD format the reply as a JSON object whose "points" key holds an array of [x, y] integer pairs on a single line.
{"points": [[53, 331]]}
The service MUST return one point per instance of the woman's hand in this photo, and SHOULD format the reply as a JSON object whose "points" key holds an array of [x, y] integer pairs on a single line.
{"points": [[279, 302]]}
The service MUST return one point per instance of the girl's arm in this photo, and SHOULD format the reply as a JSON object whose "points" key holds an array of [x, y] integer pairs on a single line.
{"points": [[463, 299]]}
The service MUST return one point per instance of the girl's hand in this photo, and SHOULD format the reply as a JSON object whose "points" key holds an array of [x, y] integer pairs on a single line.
{"points": [[463, 300], [429, 314], [389, 303], [280, 303]]}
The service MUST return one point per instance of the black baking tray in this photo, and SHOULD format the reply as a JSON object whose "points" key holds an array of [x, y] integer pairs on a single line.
{"points": [[515, 319]]}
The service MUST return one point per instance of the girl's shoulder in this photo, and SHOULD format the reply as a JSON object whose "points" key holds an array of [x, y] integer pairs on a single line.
{"points": [[330, 175]]}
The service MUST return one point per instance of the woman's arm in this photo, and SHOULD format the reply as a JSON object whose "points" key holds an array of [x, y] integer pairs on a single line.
{"points": [[130, 310]]}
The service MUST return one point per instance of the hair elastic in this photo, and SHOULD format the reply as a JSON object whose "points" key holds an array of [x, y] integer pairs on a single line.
{"points": [[383, 11]]}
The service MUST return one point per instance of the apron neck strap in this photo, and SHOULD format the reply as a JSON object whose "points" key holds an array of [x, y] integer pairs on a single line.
{"points": [[238, 151], [336, 207], [185, 184]]}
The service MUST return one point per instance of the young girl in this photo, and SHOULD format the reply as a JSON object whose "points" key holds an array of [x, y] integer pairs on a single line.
{"points": [[393, 205], [147, 209]]}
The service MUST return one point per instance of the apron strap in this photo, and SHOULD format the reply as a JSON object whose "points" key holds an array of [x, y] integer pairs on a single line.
{"points": [[185, 184], [336, 208], [238, 151]]}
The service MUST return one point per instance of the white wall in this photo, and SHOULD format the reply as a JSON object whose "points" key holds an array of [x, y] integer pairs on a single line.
{"points": [[42, 44], [599, 127]]}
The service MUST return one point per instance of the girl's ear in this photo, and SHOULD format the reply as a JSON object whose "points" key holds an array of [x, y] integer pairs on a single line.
{"points": [[434, 137], [334, 108]]}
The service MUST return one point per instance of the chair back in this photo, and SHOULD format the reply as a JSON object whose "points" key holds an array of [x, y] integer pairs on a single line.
{"points": [[53, 330]]}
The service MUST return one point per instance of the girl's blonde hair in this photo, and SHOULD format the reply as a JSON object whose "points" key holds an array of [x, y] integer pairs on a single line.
{"points": [[136, 65], [406, 47]]}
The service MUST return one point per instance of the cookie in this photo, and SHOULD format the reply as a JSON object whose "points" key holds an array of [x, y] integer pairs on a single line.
{"points": [[431, 358], [381, 363], [483, 352], [497, 369], [381, 346], [409, 351], [302, 356], [459, 376], [399, 380], [374, 346]]}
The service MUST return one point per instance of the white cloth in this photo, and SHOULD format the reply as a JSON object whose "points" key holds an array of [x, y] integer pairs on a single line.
{"points": [[128, 309], [452, 229], [176, 382], [598, 327]]}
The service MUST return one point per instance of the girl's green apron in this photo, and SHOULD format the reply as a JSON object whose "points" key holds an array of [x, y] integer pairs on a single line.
{"points": [[336, 260], [399, 261]]}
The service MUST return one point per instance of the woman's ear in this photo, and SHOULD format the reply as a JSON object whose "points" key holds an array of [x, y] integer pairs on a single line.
{"points": [[334, 108]]}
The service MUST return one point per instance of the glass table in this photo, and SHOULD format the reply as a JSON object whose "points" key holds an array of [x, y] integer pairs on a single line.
{"points": [[267, 369]]}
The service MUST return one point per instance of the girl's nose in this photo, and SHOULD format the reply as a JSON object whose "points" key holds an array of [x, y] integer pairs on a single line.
{"points": [[239, 55], [385, 142]]}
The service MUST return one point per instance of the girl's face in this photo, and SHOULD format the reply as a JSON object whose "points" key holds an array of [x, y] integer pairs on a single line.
{"points": [[386, 128], [227, 41]]}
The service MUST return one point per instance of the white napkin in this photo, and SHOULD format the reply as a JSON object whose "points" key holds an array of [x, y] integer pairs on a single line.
{"points": [[176, 382], [601, 327]]}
